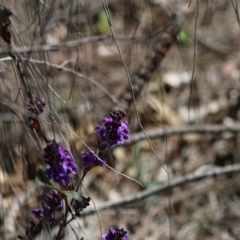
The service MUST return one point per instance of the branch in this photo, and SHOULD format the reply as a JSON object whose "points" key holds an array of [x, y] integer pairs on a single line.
{"points": [[152, 61], [199, 129], [57, 47], [75, 43], [166, 187]]}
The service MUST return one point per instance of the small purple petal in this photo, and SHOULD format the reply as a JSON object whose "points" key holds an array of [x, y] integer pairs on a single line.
{"points": [[36, 106], [52, 202], [89, 158], [38, 213]]}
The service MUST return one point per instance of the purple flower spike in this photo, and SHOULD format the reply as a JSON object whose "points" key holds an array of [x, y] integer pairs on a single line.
{"points": [[115, 234], [37, 106], [89, 158], [51, 203], [113, 130], [118, 115], [60, 163], [58, 174]]}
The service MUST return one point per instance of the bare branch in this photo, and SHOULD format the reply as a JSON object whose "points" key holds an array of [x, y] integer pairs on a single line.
{"points": [[57, 47], [199, 129], [75, 43], [166, 187], [152, 61]]}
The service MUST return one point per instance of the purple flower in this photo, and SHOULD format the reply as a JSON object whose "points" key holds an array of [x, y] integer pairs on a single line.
{"points": [[58, 174], [51, 203], [60, 163], [89, 158], [37, 106], [38, 213], [113, 130], [115, 234]]}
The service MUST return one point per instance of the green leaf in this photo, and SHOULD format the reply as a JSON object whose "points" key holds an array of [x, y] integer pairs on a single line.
{"points": [[73, 195], [43, 179], [102, 23], [183, 36]]}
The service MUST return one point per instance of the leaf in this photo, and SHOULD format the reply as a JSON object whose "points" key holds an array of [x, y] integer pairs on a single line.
{"points": [[102, 23], [73, 194], [183, 36], [43, 179]]}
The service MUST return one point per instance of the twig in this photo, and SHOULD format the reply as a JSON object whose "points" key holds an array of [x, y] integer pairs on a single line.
{"points": [[72, 71], [75, 43], [199, 129], [57, 47], [235, 8], [165, 187], [80, 75]]}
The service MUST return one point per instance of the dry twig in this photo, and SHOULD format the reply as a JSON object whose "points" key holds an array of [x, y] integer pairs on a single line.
{"points": [[166, 187]]}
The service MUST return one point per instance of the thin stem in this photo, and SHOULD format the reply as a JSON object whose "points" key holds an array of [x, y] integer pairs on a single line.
{"points": [[64, 223]]}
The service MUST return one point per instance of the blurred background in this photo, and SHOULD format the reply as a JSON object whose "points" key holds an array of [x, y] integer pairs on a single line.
{"points": [[187, 103]]}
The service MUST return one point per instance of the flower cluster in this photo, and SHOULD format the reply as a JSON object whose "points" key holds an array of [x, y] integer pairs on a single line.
{"points": [[112, 132], [51, 203], [60, 163], [115, 234], [36, 106]]}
